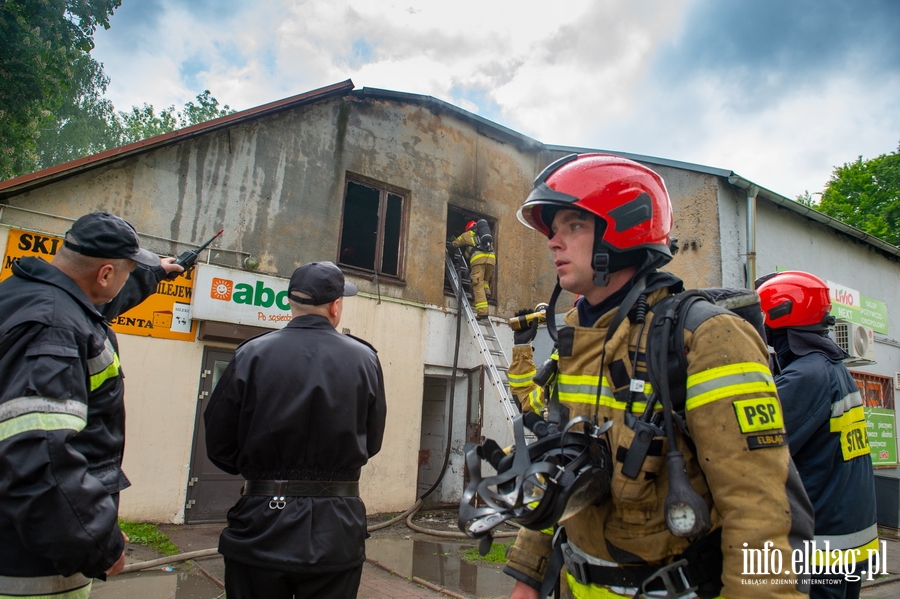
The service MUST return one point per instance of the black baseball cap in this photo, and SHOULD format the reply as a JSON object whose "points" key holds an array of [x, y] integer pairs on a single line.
{"points": [[105, 235], [323, 282]]}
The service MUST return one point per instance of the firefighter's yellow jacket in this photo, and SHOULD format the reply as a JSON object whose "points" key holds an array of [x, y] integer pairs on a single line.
{"points": [[473, 254], [741, 467]]}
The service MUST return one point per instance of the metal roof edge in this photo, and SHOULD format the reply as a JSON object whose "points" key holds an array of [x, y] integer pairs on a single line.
{"points": [[813, 214], [436, 104], [67, 169], [700, 168]]}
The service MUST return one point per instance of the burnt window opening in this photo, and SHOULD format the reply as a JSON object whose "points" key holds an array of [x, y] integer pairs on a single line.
{"points": [[457, 219], [372, 228]]}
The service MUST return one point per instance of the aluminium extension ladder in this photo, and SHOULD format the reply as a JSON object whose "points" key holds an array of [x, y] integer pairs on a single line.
{"points": [[497, 365]]}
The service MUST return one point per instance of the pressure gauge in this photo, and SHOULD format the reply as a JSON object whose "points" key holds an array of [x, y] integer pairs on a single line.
{"points": [[680, 519], [687, 515]]}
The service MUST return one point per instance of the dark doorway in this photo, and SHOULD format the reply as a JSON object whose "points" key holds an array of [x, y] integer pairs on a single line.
{"points": [[211, 492]]}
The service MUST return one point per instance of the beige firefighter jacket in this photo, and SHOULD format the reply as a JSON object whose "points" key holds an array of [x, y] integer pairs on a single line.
{"points": [[473, 254], [742, 466]]}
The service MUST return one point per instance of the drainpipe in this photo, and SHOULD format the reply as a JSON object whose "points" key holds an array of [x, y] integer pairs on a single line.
{"points": [[751, 235], [752, 191]]}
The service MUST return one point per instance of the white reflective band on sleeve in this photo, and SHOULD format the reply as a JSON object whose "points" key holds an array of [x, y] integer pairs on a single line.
{"points": [[849, 541], [850, 401], [76, 586], [42, 405], [101, 362]]}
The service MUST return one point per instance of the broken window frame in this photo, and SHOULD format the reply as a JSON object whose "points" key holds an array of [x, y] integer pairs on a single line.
{"points": [[384, 192]]}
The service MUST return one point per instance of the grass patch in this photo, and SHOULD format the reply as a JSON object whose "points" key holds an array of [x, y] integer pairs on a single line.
{"points": [[148, 536], [497, 554]]}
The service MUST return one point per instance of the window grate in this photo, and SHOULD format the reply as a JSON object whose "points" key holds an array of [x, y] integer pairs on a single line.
{"points": [[877, 391]]}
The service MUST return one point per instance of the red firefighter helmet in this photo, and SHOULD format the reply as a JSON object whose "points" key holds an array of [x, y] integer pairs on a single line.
{"points": [[794, 299], [627, 196], [472, 224]]}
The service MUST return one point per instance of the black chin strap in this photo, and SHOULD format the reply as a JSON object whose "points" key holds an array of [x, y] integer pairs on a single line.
{"points": [[601, 267], [551, 312]]}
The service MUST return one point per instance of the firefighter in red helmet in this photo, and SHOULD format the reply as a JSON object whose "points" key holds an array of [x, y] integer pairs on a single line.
{"points": [[608, 221], [823, 415], [477, 243]]}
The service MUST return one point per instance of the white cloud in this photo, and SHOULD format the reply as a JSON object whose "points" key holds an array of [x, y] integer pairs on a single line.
{"points": [[581, 73]]}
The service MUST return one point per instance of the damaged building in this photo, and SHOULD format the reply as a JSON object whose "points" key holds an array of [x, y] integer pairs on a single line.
{"points": [[377, 181]]}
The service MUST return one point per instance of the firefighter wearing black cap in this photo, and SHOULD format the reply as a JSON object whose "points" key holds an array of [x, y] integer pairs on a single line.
{"points": [[298, 412], [481, 257], [62, 416], [823, 414], [608, 221]]}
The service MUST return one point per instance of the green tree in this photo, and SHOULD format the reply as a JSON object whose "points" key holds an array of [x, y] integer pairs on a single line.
{"points": [[866, 194], [41, 43], [141, 123], [84, 124], [806, 199], [206, 109]]}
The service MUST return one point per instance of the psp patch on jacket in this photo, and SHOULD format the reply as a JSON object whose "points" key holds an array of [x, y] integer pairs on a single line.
{"points": [[757, 415]]}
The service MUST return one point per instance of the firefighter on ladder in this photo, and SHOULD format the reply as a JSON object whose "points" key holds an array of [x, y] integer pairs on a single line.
{"points": [[481, 259]]}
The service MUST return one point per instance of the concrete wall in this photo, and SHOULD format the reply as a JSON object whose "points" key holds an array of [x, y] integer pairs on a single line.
{"points": [[161, 387], [398, 331]]}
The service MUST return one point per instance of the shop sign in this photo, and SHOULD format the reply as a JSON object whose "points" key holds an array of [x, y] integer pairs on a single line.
{"points": [[165, 314], [850, 305], [240, 297], [880, 427]]}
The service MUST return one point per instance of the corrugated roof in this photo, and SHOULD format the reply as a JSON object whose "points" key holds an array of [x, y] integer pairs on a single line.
{"points": [[67, 169]]}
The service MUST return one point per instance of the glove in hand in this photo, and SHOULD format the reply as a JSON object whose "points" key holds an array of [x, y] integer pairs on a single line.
{"points": [[526, 335]]}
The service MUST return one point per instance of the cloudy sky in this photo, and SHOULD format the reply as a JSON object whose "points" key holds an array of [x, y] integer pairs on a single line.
{"points": [[779, 91]]}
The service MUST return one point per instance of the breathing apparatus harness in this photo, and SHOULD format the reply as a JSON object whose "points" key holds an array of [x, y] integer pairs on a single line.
{"points": [[687, 515]]}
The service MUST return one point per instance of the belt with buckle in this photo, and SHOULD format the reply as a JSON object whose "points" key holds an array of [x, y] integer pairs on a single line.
{"points": [[300, 488], [644, 577]]}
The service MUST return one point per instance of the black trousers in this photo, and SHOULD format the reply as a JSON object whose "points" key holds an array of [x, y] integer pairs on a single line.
{"points": [[243, 581]]}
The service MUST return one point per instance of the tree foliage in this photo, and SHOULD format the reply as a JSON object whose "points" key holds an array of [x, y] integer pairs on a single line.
{"points": [[43, 43], [84, 124], [866, 195], [806, 199], [141, 123], [52, 108]]}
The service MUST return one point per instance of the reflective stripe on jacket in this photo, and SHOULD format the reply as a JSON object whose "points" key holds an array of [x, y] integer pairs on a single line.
{"points": [[473, 254], [62, 426]]}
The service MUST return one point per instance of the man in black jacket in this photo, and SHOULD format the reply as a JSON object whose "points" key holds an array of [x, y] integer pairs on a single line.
{"points": [[62, 415], [297, 413]]}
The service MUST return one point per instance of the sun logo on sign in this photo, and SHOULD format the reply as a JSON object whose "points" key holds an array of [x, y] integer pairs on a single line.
{"points": [[221, 289]]}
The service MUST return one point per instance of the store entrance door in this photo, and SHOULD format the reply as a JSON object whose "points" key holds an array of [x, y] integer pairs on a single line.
{"points": [[211, 492]]}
